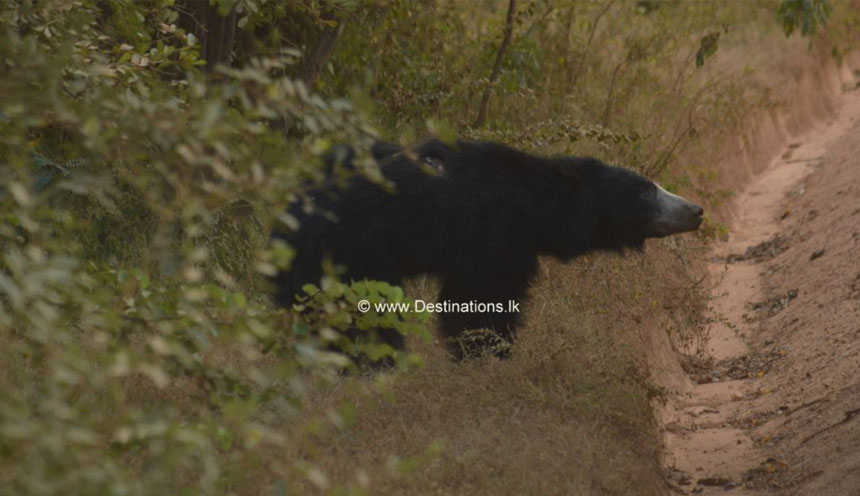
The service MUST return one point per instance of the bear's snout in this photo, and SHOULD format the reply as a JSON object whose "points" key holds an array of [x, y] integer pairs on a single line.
{"points": [[675, 214]]}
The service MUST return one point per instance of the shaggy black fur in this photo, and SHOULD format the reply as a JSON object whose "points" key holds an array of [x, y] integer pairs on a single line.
{"points": [[478, 223]]}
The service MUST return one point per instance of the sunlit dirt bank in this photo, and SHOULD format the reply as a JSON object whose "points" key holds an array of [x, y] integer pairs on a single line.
{"points": [[774, 402]]}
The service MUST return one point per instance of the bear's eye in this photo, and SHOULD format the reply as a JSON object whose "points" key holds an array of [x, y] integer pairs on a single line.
{"points": [[647, 192]]}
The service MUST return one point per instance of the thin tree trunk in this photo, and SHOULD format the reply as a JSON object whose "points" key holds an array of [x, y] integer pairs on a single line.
{"points": [[608, 108], [568, 66], [216, 33], [316, 58], [497, 66], [572, 83]]}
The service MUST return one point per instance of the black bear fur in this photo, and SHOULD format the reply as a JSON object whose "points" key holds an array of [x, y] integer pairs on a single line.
{"points": [[478, 219]]}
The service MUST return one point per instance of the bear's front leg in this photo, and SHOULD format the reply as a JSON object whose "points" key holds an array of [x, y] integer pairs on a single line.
{"points": [[468, 335], [481, 318]]}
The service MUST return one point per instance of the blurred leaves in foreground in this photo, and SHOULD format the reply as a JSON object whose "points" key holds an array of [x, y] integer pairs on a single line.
{"points": [[139, 353]]}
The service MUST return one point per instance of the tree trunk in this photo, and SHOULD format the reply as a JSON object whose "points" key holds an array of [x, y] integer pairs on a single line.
{"points": [[568, 56], [608, 108], [215, 32], [497, 66], [315, 60]]}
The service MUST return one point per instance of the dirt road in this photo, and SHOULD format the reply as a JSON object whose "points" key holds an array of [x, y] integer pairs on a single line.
{"points": [[778, 410]]}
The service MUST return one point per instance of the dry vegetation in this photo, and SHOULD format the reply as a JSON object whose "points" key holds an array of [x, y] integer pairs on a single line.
{"points": [[570, 413]]}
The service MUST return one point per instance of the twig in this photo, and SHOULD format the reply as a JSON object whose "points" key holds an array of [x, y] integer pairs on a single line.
{"points": [[805, 405], [695, 285], [850, 414], [497, 66], [798, 160], [588, 43], [609, 95]]}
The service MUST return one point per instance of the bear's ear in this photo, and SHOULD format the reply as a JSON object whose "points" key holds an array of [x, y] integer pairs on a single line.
{"points": [[435, 150]]}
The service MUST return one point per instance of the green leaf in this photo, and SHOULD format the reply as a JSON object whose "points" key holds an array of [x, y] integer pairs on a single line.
{"points": [[708, 45]]}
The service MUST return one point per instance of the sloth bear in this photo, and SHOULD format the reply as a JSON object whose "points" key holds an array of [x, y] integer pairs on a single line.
{"points": [[477, 218]]}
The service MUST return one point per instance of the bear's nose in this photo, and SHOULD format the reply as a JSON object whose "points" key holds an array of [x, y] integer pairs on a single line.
{"points": [[698, 210]]}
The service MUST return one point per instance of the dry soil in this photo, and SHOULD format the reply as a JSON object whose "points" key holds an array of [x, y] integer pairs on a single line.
{"points": [[777, 409]]}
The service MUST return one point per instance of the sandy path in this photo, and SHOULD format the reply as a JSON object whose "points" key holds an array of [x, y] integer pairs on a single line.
{"points": [[780, 409]]}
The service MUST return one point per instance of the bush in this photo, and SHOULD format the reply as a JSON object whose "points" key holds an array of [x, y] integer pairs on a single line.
{"points": [[140, 352]]}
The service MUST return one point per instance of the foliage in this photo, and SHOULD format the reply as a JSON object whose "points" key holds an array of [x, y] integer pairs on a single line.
{"points": [[324, 311], [139, 351], [707, 47], [808, 15], [641, 80]]}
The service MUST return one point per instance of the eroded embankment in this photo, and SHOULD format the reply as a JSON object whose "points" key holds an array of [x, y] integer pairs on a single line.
{"points": [[764, 412]]}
